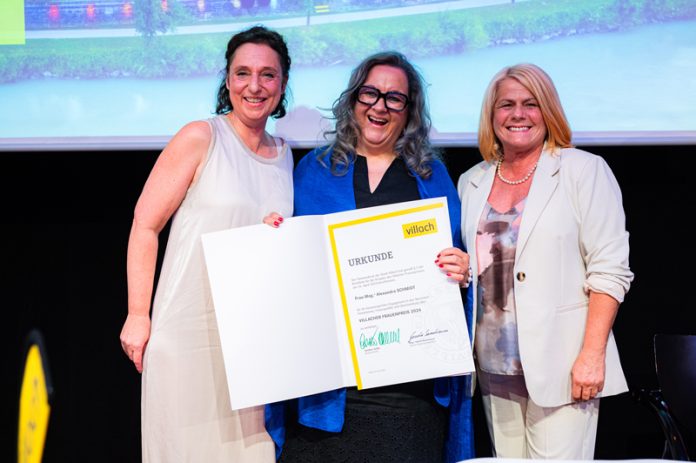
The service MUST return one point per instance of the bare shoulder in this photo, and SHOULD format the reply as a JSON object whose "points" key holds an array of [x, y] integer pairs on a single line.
{"points": [[197, 132], [190, 144]]}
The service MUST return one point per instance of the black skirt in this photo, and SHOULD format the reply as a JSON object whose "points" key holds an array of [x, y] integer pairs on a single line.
{"points": [[400, 423]]}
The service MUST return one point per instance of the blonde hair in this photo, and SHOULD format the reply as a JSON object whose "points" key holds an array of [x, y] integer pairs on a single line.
{"points": [[540, 85]]}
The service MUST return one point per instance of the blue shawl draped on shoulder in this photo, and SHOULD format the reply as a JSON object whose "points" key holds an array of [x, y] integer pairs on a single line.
{"points": [[318, 191]]}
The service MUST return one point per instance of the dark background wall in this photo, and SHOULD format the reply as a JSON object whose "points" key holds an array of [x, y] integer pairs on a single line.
{"points": [[65, 219]]}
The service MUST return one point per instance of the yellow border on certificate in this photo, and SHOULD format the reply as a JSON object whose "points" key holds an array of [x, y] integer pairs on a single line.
{"points": [[334, 251]]}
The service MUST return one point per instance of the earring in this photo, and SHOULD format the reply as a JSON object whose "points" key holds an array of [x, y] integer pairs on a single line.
{"points": [[498, 152]]}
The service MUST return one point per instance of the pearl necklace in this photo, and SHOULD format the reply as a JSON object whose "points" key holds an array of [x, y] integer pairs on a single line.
{"points": [[514, 182]]}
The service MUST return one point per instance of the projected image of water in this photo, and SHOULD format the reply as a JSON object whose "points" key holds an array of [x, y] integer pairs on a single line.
{"points": [[616, 72]]}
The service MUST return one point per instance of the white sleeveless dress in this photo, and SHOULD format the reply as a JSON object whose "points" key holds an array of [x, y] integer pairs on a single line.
{"points": [[186, 414]]}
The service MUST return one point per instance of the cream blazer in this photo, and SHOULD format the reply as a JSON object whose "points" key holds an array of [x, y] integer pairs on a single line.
{"points": [[572, 238]]}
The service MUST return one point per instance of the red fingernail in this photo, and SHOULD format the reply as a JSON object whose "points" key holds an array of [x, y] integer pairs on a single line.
{"points": [[280, 219], [439, 255], [441, 265], [449, 275], [275, 223], [437, 260]]}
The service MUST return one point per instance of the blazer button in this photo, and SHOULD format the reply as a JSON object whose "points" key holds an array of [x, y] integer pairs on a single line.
{"points": [[521, 276]]}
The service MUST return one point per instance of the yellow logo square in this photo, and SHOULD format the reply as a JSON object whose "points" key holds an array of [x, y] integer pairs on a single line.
{"points": [[424, 227]]}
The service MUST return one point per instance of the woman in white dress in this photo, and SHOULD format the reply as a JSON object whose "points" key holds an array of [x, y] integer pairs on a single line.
{"points": [[213, 175]]}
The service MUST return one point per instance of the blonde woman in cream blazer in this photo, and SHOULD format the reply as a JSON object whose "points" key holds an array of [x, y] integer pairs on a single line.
{"points": [[569, 274]]}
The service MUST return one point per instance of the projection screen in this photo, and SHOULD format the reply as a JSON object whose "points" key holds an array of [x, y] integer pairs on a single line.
{"points": [[127, 74]]}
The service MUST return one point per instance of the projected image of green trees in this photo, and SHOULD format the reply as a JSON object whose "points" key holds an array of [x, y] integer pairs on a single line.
{"points": [[423, 35]]}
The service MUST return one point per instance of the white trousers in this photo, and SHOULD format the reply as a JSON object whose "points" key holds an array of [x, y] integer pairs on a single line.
{"points": [[519, 428]]}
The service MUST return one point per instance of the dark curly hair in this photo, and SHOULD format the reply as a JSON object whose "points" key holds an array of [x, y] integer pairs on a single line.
{"points": [[258, 35]]}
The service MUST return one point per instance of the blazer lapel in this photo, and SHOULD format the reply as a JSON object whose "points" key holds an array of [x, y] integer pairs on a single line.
{"points": [[480, 184], [477, 195], [544, 184]]}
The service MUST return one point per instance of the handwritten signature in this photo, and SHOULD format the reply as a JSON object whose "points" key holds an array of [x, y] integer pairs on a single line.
{"points": [[425, 335], [380, 338]]}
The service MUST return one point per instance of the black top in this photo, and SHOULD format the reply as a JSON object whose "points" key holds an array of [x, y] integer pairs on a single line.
{"points": [[397, 185]]}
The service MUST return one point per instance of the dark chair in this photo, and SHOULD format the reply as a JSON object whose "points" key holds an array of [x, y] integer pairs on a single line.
{"points": [[675, 402], [675, 363]]}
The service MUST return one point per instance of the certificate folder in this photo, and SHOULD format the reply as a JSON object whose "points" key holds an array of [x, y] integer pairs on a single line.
{"points": [[346, 299]]}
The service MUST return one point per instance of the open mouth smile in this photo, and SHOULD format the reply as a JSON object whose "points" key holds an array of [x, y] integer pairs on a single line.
{"points": [[377, 121]]}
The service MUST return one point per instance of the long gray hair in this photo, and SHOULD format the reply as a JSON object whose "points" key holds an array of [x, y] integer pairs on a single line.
{"points": [[413, 145]]}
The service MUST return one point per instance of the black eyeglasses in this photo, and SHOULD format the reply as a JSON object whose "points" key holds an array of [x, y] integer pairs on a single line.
{"points": [[394, 101]]}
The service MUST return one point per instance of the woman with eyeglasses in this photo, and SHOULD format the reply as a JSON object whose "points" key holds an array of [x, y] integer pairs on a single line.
{"points": [[380, 154]]}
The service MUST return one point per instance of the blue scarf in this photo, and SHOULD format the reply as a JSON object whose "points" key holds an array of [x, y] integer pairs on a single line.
{"points": [[317, 192]]}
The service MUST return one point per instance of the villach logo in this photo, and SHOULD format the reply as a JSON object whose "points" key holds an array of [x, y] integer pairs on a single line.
{"points": [[12, 22], [424, 227]]}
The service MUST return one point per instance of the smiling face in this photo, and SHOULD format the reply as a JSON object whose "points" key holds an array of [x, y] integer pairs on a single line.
{"points": [[379, 126], [517, 119], [256, 83]]}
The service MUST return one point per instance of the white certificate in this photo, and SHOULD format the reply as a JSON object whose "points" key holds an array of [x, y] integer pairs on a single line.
{"points": [[352, 298]]}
